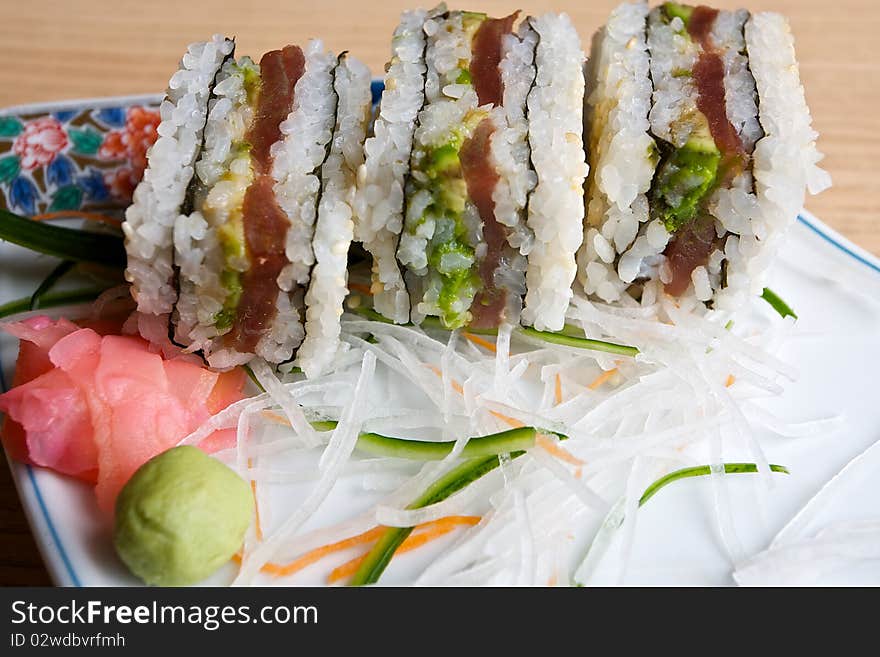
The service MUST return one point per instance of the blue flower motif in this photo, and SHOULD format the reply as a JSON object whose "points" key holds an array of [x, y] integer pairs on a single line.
{"points": [[60, 171], [111, 116], [65, 115], [93, 186], [23, 195]]}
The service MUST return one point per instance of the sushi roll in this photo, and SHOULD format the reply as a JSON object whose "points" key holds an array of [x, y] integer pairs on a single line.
{"points": [[701, 149], [260, 236], [159, 197], [470, 197]]}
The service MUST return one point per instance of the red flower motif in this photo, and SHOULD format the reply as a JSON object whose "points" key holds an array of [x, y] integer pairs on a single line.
{"points": [[131, 144], [121, 182], [39, 143]]}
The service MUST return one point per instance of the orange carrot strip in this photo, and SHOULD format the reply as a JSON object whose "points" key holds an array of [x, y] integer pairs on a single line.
{"points": [[476, 339], [602, 378], [558, 389], [730, 380], [546, 443], [455, 384], [435, 529], [512, 421], [72, 214], [280, 570], [359, 287], [318, 553], [258, 527], [275, 417], [432, 531]]}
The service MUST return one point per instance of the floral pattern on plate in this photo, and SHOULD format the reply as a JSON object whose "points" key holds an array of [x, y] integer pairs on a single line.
{"points": [[84, 158]]}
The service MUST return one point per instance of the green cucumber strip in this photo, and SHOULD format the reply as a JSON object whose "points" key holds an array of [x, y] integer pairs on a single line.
{"points": [[777, 303], [378, 558], [580, 343], [66, 243], [696, 471], [564, 338], [453, 481], [51, 300], [503, 442], [49, 282], [699, 471]]}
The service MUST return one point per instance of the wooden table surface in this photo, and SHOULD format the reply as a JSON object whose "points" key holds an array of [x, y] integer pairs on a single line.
{"points": [[63, 49]]}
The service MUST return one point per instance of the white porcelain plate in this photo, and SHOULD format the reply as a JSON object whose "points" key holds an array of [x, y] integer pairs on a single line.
{"points": [[835, 288]]}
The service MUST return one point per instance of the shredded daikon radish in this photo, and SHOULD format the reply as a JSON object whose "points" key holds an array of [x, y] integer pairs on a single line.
{"points": [[668, 404], [454, 505], [634, 487], [282, 398], [805, 429], [228, 417], [447, 377], [333, 459], [721, 497], [579, 487], [866, 464], [241, 464], [526, 575], [601, 543], [501, 385]]}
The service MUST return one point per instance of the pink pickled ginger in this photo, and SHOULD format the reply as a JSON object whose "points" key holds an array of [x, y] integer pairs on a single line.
{"points": [[98, 407]]}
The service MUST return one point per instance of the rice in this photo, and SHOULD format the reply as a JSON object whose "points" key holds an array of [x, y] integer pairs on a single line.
{"points": [[379, 201], [149, 220], [623, 157], [511, 153], [335, 228], [222, 174], [449, 44], [556, 206], [741, 96], [785, 160], [510, 156], [297, 160]]}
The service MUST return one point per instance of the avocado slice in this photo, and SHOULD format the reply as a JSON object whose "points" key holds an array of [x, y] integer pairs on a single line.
{"points": [[464, 77], [453, 261], [676, 10], [451, 258], [685, 177], [443, 161], [231, 280], [250, 73], [471, 21]]}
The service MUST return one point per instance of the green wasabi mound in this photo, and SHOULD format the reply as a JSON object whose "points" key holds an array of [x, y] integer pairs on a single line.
{"points": [[180, 517]]}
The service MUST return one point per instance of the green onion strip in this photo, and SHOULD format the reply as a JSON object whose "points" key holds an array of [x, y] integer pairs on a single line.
{"points": [[66, 243], [564, 338], [777, 303], [49, 282], [380, 555]]}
